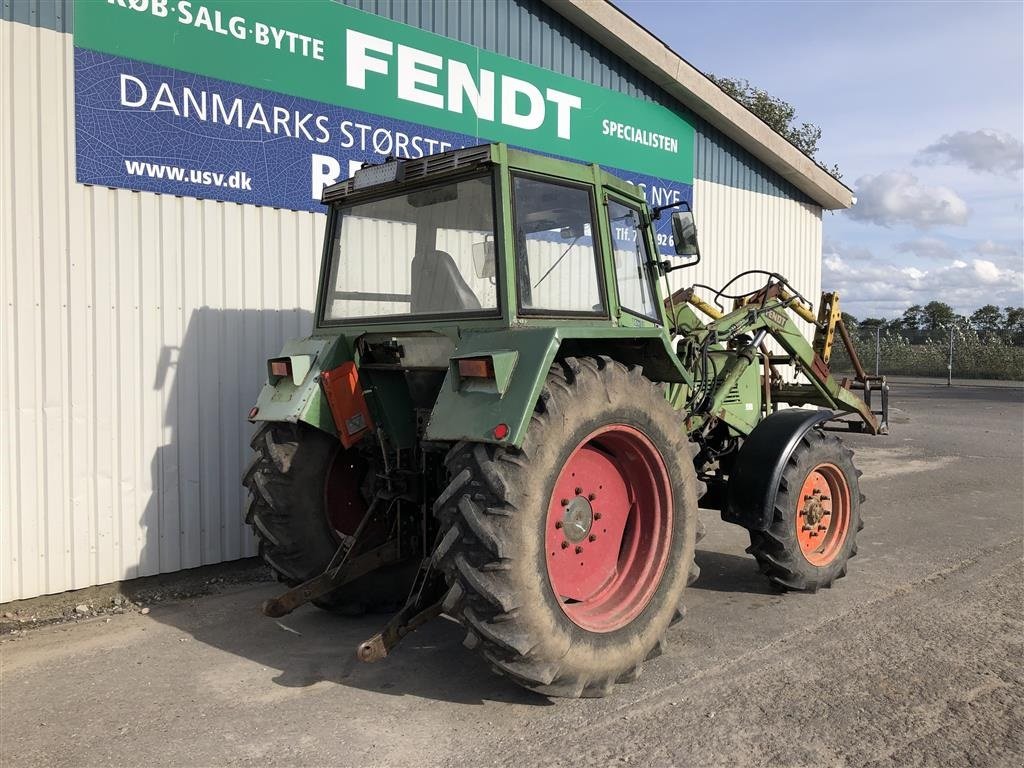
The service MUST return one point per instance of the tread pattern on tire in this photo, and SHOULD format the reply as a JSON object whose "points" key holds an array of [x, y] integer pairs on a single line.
{"points": [[284, 510], [776, 549], [479, 504]]}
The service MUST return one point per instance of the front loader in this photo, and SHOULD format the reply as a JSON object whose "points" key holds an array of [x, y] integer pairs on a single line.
{"points": [[504, 415]]}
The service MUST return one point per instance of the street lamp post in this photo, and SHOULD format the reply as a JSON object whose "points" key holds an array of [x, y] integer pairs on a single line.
{"points": [[878, 354], [949, 365]]}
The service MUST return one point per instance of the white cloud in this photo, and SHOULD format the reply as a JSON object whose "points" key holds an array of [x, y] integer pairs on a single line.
{"points": [[876, 288], [896, 197], [981, 151], [987, 272], [850, 252], [913, 273], [927, 248], [998, 250]]}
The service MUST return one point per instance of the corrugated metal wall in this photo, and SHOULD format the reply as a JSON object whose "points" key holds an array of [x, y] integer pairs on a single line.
{"points": [[721, 160], [742, 230], [135, 325], [134, 332]]}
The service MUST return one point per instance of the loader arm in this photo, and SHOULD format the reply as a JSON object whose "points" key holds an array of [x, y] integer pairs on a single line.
{"points": [[773, 317]]}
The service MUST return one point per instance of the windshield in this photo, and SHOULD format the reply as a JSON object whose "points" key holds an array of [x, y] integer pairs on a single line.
{"points": [[429, 251]]}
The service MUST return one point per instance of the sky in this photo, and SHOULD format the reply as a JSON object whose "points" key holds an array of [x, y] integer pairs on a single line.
{"points": [[921, 105]]}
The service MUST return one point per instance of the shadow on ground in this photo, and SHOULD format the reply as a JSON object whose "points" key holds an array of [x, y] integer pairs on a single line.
{"points": [[721, 572], [312, 646]]}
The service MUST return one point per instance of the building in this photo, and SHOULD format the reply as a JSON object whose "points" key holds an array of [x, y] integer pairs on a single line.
{"points": [[160, 164]]}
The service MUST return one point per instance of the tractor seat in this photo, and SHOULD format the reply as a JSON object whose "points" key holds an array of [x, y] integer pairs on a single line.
{"points": [[438, 286]]}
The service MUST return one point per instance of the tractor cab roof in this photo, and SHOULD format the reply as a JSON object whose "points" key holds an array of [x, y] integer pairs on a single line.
{"points": [[399, 173]]}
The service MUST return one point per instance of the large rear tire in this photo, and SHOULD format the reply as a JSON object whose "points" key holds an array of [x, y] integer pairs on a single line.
{"points": [[567, 559], [816, 517], [301, 491]]}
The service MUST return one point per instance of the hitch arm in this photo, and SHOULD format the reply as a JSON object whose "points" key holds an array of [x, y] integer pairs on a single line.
{"points": [[403, 623], [330, 580]]}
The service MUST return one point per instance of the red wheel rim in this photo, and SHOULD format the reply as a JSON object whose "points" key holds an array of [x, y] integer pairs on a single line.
{"points": [[344, 506], [609, 528], [823, 514]]}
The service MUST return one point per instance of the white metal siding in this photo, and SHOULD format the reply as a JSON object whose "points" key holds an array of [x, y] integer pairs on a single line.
{"points": [[739, 229], [135, 327]]}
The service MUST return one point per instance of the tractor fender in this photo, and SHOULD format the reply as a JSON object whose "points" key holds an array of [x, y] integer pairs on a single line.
{"points": [[495, 411], [300, 397], [754, 480]]}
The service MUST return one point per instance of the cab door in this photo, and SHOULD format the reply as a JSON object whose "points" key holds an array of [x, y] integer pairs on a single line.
{"points": [[634, 267]]}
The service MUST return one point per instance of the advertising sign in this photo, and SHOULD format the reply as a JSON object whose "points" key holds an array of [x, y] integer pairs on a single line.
{"points": [[266, 102]]}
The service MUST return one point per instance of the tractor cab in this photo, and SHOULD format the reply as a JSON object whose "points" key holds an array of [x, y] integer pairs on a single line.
{"points": [[488, 233]]}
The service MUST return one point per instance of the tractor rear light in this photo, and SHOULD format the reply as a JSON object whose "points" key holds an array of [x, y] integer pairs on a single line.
{"points": [[281, 367], [476, 368], [500, 432], [253, 412]]}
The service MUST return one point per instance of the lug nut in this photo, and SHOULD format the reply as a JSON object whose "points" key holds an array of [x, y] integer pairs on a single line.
{"points": [[564, 502], [591, 496], [565, 545], [822, 527], [579, 491], [597, 515], [558, 523], [593, 537], [579, 549]]}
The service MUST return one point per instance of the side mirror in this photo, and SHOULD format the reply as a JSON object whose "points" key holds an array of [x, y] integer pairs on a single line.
{"points": [[684, 233], [483, 259]]}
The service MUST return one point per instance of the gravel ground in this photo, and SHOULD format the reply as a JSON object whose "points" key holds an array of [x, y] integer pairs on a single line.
{"points": [[915, 659]]}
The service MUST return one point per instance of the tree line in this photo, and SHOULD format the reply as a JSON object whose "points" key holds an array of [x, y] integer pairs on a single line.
{"points": [[919, 324]]}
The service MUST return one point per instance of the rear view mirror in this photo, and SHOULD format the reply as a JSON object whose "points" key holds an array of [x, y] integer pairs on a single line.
{"points": [[684, 233], [483, 259]]}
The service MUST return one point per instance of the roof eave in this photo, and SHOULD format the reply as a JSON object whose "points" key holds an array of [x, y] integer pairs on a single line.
{"points": [[698, 93]]}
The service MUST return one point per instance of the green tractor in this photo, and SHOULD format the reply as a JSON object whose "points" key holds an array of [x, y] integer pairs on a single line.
{"points": [[504, 415]]}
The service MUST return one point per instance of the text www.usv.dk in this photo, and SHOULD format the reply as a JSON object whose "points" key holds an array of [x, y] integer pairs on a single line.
{"points": [[235, 180]]}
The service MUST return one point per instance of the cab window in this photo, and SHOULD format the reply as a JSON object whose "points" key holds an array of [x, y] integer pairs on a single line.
{"points": [[556, 257]]}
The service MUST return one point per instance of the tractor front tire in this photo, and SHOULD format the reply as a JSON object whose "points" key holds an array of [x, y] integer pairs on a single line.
{"points": [[286, 509], [567, 559], [816, 517]]}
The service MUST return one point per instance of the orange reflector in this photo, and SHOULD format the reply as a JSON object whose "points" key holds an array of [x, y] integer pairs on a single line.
{"points": [[501, 431], [252, 412], [476, 368], [281, 367]]}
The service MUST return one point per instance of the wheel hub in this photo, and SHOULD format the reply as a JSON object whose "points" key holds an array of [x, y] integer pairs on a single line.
{"points": [[814, 508], [578, 518]]}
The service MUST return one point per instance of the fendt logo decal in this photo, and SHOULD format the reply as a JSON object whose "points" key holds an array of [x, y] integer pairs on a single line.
{"points": [[419, 74]]}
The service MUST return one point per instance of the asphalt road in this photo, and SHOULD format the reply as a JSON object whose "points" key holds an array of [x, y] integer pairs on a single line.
{"points": [[914, 659]]}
